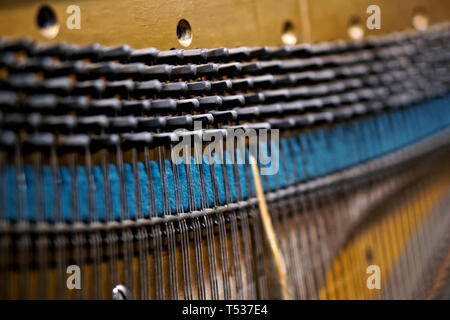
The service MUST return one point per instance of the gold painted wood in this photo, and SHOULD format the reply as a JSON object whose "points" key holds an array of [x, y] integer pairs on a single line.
{"points": [[228, 23], [398, 217]]}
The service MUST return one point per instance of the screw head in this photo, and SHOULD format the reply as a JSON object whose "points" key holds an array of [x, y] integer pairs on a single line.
{"points": [[120, 292]]}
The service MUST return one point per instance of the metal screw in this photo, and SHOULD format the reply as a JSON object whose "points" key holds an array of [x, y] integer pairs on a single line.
{"points": [[355, 30], [420, 20], [288, 37], [120, 292]]}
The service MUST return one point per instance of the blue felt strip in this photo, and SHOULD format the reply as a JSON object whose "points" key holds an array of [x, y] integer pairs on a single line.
{"points": [[83, 193], [230, 175], [30, 204], [170, 186], [47, 180], [66, 194], [219, 178], [250, 173], [10, 187], [299, 172], [129, 183], [196, 184], [277, 165], [115, 191], [181, 168], [287, 166], [241, 168], [143, 181], [268, 179], [208, 182], [156, 178], [99, 192], [328, 150]]}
